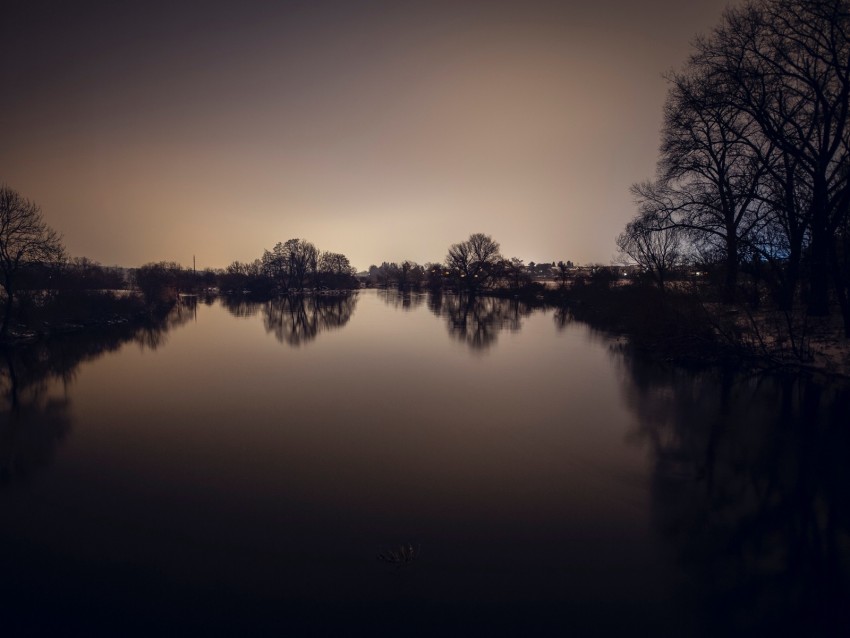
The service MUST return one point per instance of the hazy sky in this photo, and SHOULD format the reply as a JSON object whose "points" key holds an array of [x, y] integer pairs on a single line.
{"points": [[384, 130]]}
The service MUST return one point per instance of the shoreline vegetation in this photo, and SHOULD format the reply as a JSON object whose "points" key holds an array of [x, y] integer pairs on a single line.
{"points": [[686, 322], [739, 251], [689, 315]]}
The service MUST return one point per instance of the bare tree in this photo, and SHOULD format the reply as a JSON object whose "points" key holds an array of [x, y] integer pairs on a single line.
{"points": [[25, 238], [275, 264], [335, 271], [712, 166], [291, 264], [786, 65], [385, 274], [475, 261], [515, 273], [334, 263], [655, 248], [756, 144]]}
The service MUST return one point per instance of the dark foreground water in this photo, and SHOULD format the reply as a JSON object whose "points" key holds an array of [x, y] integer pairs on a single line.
{"points": [[239, 470]]}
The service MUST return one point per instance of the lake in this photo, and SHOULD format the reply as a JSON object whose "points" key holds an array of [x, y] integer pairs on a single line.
{"points": [[411, 464]]}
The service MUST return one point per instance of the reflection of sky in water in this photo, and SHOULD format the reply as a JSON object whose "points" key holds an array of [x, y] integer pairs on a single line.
{"points": [[228, 467]]}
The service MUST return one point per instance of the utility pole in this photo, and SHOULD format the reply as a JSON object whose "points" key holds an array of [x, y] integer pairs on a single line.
{"points": [[193, 264]]}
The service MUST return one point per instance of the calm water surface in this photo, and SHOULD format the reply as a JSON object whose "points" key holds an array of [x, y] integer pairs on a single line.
{"points": [[240, 468]]}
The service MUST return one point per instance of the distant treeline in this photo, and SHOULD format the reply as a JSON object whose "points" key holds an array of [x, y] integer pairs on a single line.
{"points": [[472, 265], [292, 266], [45, 292], [297, 266]]}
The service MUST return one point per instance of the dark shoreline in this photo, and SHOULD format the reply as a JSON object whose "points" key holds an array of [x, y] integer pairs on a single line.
{"points": [[669, 326]]}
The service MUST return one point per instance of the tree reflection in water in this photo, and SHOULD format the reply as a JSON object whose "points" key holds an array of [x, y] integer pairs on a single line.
{"points": [[32, 423], [34, 417], [750, 487], [298, 319], [563, 318], [476, 320], [153, 333], [241, 306], [404, 299]]}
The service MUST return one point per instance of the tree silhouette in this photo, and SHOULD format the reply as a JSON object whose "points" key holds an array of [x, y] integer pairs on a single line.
{"points": [[786, 65], [24, 239], [656, 250], [475, 262], [756, 148]]}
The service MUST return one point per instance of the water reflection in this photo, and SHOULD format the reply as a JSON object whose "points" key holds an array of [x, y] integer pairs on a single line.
{"points": [[32, 424], [241, 306], [750, 489], [477, 321], [531, 512], [153, 333], [296, 320], [403, 299], [34, 402], [473, 320], [563, 318]]}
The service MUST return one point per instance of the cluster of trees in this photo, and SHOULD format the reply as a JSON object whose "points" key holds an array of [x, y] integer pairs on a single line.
{"points": [[76, 274], [406, 275], [81, 273], [291, 266], [32, 258], [754, 172], [162, 281], [474, 265], [34, 268]]}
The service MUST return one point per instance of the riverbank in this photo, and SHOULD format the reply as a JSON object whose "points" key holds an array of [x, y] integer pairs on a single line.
{"points": [[682, 326], [72, 312], [686, 325], [677, 325]]}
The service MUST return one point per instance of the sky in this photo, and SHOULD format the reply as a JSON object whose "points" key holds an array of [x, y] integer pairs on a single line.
{"points": [[385, 130]]}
